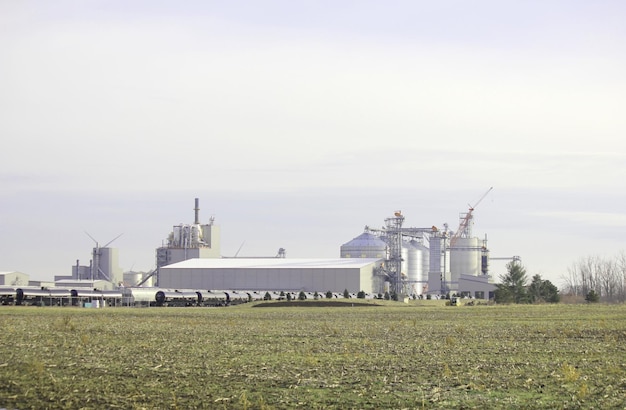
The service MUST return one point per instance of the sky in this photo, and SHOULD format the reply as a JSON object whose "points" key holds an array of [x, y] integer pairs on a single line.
{"points": [[297, 124]]}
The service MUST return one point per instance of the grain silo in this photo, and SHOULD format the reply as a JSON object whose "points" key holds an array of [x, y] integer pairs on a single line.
{"points": [[421, 259], [365, 245], [465, 258], [411, 265]]}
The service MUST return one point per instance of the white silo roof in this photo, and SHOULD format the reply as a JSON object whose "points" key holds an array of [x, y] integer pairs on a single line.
{"points": [[366, 240]]}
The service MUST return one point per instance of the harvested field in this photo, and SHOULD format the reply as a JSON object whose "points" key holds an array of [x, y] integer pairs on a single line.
{"points": [[315, 303], [392, 356]]}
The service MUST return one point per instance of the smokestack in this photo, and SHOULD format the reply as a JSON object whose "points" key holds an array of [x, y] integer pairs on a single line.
{"points": [[197, 209]]}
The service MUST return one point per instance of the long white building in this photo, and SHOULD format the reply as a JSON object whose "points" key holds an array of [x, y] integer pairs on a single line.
{"points": [[309, 275]]}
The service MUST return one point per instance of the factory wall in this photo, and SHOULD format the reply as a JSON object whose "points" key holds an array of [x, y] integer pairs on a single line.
{"points": [[109, 263], [434, 284], [478, 287], [78, 272], [211, 235], [306, 278], [13, 279]]}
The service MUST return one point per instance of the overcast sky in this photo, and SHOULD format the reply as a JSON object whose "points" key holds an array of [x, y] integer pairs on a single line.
{"points": [[297, 123]]}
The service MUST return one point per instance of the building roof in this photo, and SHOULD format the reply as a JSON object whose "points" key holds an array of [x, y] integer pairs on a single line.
{"points": [[272, 263], [80, 280], [366, 239], [84, 283]]}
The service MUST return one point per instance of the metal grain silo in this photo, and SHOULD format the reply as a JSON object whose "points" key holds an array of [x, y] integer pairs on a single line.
{"points": [[413, 262], [465, 258], [365, 245], [132, 278], [422, 261]]}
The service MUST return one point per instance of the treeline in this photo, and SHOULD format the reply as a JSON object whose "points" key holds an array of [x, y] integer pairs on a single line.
{"points": [[604, 277], [514, 287]]}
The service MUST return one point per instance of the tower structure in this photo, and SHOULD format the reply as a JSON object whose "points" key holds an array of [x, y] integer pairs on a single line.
{"points": [[393, 228], [407, 259], [189, 241]]}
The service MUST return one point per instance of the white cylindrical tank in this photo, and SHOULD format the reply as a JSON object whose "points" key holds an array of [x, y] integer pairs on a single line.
{"points": [[132, 278], [422, 266], [365, 245], [177, 236], [413, 261], [186, 236], [465, 258], [425, 255], [196, 235], [404, 269]]}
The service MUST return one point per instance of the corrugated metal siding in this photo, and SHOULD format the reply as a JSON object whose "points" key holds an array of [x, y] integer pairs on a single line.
{"points": [[308, 275]]}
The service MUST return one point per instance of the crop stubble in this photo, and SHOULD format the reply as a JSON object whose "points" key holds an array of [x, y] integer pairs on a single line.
{"points": [[390, 356]]}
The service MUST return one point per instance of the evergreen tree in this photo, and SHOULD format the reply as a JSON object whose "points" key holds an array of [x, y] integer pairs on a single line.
{"points": [[513, 286], [329, 295], [346, 294], [541, 290], [592, 297], [302, 295]]}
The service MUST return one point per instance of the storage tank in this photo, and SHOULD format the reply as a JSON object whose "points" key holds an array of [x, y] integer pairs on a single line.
{"points": [[196, 235], [365, 245], [413, 263], [465, 258], [404, 254], [132, 278], [423, 266], [176, 236]]}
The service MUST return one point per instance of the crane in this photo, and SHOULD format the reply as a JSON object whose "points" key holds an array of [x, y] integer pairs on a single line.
{"points": [[464, 226]]}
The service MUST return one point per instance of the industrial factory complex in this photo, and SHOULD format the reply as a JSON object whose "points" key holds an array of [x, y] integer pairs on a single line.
{"points": [[396, 259]]}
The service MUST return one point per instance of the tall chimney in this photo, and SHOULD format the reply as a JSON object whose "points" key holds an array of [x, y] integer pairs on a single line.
{"points": [[197, 209]]}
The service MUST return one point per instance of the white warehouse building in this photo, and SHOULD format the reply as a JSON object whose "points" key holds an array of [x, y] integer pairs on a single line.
{"points": [[309, 275]]}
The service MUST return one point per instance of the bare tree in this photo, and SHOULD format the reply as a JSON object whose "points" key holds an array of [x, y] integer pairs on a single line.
{"points": [[620, 266], [571, 282], [606, 277]]}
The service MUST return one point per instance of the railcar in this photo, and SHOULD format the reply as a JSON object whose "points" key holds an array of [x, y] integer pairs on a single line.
{"points": [[43, 296], [176, 298], [96, 298], [7, 295], [211, 298]]}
